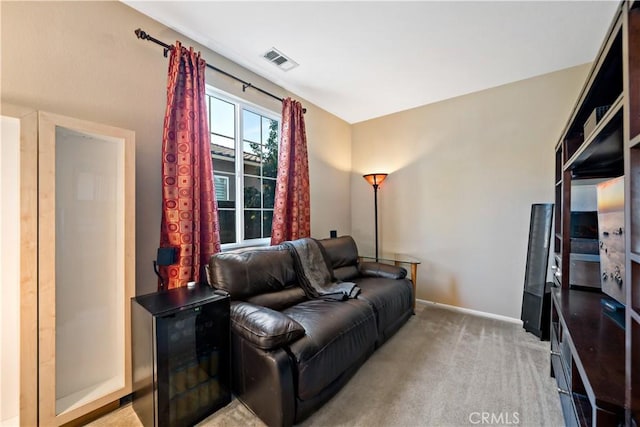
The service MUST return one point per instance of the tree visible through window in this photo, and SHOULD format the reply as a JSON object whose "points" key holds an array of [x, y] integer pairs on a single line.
{"points": [[244, 149]]}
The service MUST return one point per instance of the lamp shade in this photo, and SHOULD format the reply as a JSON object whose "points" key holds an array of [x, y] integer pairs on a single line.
{"points": [[375, 178]]}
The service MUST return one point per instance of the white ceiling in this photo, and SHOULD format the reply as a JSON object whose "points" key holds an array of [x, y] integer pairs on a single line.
{"points": [[365, 59]]}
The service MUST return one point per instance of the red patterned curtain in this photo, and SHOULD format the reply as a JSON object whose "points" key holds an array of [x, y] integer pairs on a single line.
{"points": [[189, 210], [292, 212]]}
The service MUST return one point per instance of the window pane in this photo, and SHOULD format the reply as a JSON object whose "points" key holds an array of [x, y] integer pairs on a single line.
{"points": [[270, 148], [267, 219], [252, 168], [230, 201], [222, 118], [251, 156], [266, 124], [227, 220], [252, 150], [252, 224], [221, 184], [223, 164], [270, 160], [250, 126], [268, 192], [224, 144], [252, 192], [209, 110]]}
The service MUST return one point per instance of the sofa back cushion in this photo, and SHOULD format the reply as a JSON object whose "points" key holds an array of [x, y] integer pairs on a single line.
{"points": [[343, 256], [252, 271], [279, 300]]}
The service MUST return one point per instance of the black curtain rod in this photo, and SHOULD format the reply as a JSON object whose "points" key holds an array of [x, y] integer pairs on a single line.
{"points": [[144, 36]]}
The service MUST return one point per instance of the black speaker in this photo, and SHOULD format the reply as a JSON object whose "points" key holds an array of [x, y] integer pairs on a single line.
{"points": [[166, 256], [536, 311], [536, 297]]}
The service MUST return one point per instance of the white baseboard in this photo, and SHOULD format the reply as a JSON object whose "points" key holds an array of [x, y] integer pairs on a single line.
{"points": [[470, 311]]}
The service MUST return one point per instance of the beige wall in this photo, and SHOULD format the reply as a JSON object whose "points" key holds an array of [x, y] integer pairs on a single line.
{"points": [[464, 172], [463, 175], [82, 59]]}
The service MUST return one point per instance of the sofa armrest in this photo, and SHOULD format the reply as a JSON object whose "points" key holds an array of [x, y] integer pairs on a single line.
{"points": [[265, 328], [378, 269]]}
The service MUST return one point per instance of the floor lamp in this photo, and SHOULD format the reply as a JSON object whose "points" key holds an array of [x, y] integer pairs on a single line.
{"points": [[375, 179]]}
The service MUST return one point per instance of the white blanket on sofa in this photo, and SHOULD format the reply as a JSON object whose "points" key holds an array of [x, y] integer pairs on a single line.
{"points": [[313, 272]]}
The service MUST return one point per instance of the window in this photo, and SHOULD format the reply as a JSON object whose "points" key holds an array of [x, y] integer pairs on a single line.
{"points": [[244, 150]]}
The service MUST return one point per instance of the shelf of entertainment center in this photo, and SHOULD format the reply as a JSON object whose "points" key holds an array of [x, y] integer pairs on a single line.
{"points": [[602, 148], [597, 347], [604, 83]]}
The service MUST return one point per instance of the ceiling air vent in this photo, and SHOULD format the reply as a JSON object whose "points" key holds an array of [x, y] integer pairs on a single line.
{"points": [[278, 58]]}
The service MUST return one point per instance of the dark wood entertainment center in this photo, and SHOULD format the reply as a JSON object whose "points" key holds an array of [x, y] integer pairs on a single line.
{"points": [[596, 362]]}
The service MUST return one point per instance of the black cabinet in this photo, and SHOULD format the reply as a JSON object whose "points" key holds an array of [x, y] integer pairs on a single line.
{"points": [[181, 363]]}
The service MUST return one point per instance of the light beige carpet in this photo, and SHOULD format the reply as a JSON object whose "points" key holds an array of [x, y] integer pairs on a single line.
{"points": [[443, 368]]}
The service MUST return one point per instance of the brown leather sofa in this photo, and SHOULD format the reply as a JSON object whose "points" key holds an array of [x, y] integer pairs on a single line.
{"points": [[290, 354]]}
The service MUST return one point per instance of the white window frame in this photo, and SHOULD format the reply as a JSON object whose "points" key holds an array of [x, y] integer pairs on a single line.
{"points": [[242, 104]]}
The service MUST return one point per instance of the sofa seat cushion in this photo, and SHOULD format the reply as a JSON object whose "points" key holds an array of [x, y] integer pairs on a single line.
{"points": [[337, 335], [391, 299]]}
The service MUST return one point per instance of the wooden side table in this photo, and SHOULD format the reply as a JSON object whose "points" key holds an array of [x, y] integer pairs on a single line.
{"points": [[398, 259]]}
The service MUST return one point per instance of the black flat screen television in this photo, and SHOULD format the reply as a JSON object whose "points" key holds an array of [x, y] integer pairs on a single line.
{"points": [[584, 225]]}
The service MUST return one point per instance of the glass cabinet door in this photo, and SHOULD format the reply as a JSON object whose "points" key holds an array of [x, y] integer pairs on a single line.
{"points": [[86, 271], [10, 267]]}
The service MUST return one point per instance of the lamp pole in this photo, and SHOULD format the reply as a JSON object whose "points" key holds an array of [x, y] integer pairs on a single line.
{"points": [[375, 208]]}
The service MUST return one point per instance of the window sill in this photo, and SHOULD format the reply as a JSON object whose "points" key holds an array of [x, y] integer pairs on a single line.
{"points": [[257, 243]]}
